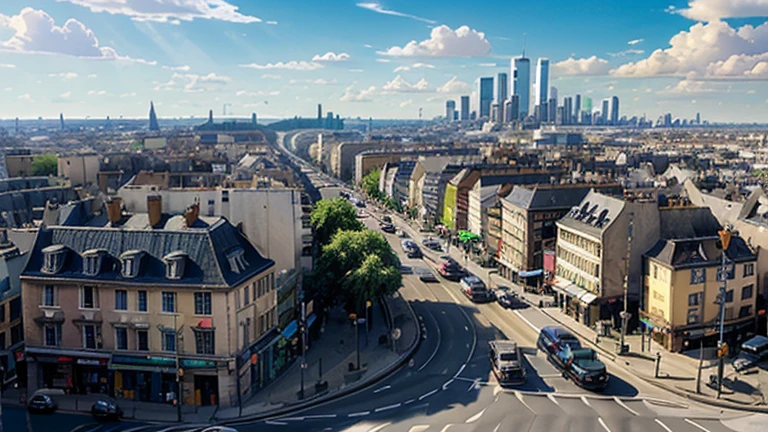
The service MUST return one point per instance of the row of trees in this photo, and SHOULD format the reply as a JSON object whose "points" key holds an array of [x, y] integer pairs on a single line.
{"points": [[354, 264], [370, 185]]}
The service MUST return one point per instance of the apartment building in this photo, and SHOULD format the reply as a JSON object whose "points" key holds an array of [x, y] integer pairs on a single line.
{"points": [[11, 330]]}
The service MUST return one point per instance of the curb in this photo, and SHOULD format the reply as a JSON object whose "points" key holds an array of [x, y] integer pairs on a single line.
{"points": [[328, 397]]}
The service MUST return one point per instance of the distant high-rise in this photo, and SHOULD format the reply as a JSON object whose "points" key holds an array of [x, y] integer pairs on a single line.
{"points": [[552, 107], [61, 121], [521, 84], [495, 113], [604, 112], [514, 108], [450, 108], [615, 110], [568, 111], [464, 108], [577, 108], [485, 97], [254, 120], [502, 92], [698, 118], [553, 92], [319, 115], [153, 125], [542, 81]]}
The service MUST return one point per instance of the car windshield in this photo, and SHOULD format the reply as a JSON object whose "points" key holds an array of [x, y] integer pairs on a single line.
{"points": [[509, 356]]}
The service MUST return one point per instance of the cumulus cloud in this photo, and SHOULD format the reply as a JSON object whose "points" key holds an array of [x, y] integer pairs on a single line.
{"points": [[65, 95], [583, 66], [183, 68], [193, 83], [272, 22], [400, 85], [127, 95], [26, 97], [291, 65], [406, 103], [378, 8], [351, 94], [36, 32], [444, 42], [453, 85], [687, 87], [331, 57], [318, 81], [63, 75], [404, 68], [635, 41], [257, 93], [713, 49], [7, 66], [712, 10], [92, 76], [97, 92], [627, 52], [168, 11]]}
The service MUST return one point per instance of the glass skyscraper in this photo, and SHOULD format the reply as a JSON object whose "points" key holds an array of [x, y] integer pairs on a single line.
{"points": [[485, 94], [542, 81], [521, 84]]}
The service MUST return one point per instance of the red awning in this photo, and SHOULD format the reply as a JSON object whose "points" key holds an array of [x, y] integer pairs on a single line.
{"points": [[205, 323]]}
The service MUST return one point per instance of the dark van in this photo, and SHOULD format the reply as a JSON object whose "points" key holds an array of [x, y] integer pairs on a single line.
{"points": [[753, 352], [553, 339]]}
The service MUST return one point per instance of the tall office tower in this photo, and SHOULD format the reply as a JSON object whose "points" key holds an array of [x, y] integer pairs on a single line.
{"points": [[319, 115], [560, 116], [514, 108], [588, 105], [698, 118], [465, 108], [604, 112], [552, 106], [541, 112], [153, 125], [542, 81], [553, 92], [495, 113], [577, 109], [485, 97], [521, 84], [61, 120], [568, 110], [615, 110], [597, 118], [508, 111], [450, 108], [501, 93]]}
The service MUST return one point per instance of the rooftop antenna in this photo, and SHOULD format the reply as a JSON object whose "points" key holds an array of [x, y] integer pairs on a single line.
{"points": [[525, 41]]}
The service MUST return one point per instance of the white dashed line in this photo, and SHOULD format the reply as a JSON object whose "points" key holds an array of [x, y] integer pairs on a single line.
{"points": [[520, 398], [408, 401], [461, 369], [586, 402], [476, 417], [602, 423], [380, 427], [426, 395], [388, 407], [536, 329], [466, 328], [275, 423], [447, 383], [383, 388], [666, 428], [359, 414], [551, 397], [623, 405], [693, 423], [320, 416]]}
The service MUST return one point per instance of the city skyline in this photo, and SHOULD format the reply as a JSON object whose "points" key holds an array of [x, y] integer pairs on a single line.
{"points": [[95, 59]]}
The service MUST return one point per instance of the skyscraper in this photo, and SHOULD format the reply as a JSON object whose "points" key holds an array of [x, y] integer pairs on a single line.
{"points": [[450, 108], [604, 112], [568, 110], [153, 125], [514, 108], [553, 92], [485, 96], [552, 107], [502, 93], [464, 108], [521, 84], [542, 81], [577, 109], [61, 120], [615, 110]]}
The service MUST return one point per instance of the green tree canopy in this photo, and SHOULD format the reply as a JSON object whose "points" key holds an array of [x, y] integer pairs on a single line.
{"points": [[370, 184], [330, 216], [45, 165], [357, 266]]}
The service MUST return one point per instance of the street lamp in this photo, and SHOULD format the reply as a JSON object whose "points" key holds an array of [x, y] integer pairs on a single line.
{"points": [[624, 314], [725, 239]]}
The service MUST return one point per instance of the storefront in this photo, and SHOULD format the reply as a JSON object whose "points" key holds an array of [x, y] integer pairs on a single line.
{"points": [[576, 302], [74, 372]]}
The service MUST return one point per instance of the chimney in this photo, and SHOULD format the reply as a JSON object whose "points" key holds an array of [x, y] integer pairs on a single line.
{"points": [[154, 209], [114, 213], [191, 214]]}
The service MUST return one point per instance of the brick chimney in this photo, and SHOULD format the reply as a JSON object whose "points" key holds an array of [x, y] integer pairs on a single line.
{"points": [[114, 212], [191, 214], [154, 209]]}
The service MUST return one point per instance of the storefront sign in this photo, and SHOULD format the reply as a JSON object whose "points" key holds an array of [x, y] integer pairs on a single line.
{"points": [[90, 362]]}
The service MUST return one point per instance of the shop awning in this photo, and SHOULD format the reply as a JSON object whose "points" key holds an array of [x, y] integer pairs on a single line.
{"points": [[290, 329], [575, 291], [648, 323], [588, 298], [532, 273]]}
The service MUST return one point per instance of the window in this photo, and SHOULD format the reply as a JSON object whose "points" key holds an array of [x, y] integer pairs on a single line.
{"points": [[2, 340], [174, 265], [746, 292], [52, 335], [121, 300], [17, 334], [202, 303], [236, 258], [92, 262], [246, 332], [121, 338], [88, 298], [731, 272], [655, 271], [141, 301], [142, 340], [169, 302], [14, 307], [247, 295], [729, 296], [698, 276], [693, 316], [169, 341], [89, 336], [204, 341], [262, 324], [49, 295], [745, 311], [2, 313], [749, 269], [53, 259], [693, 299]]}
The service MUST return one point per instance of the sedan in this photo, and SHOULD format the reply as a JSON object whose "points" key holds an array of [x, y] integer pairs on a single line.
{"points": [[41, 404], [505, 298], [388, 228], [105, 410], [426, 275], [432, 244]]}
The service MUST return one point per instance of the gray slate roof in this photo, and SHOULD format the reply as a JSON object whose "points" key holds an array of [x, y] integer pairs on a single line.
{"points": [[584, 216], [700, 252], [546, 198]]}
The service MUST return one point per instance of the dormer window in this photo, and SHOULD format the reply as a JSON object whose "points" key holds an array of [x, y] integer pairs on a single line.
{"points": [[175, 262], [237, 262], [92, 260], [53, 258], [130, 262]]}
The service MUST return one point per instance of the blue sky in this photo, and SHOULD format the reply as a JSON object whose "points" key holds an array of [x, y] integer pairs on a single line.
{"points": [[365, 58]]}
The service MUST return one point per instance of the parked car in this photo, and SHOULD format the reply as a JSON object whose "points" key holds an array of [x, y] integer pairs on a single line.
{"points": [[41, 404], [360, 204], [505, 298], [506, 362], [386, 219], [426, 275], [105, 410], [432, 244], [450, 270], [582, 366], [553, 339], [474, 288], [401, 234], [753, 352], [411, 249], [388, 228]]}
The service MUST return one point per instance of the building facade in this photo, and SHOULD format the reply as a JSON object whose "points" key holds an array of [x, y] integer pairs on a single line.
{"points": [[485, 97], [521, 85], [11, 330]]}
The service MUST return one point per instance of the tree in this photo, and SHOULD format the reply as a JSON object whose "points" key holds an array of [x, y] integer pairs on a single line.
{"points": [[370, 184], [356, 266], [331, 216], [45, 165]]}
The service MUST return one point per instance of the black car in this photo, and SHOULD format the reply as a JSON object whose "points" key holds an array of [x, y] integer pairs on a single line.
{"points": [[105, 409], [386, 219], [582, 366], [753, 352], [426, 275], [41, 403], [432, 244], [411, 249], [553, 339], [504, 298], [388, 228]]}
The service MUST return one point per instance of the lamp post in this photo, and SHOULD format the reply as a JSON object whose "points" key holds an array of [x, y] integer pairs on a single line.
{"points": [[624, 314], [179, 371], [302, 329], [725, 239]]}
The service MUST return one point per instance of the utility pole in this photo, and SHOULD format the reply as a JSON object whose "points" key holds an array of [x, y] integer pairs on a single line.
{"points": [[302, 328], [624, 314], [179, 371], [725, 239]]}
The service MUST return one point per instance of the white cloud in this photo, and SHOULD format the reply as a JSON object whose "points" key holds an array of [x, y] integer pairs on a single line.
{"points": [[712, 10], [714, 49], [7, 66], [400, 85], [635, 41], [383, 60], [318, 81], [453, 86], [444, 42], [168, 11], [367, 46], [36, 32], [583, 66], [193, 83], [353, 95], [8, 89], [63, 75], [97, 92], [272, 22], [487, 64], [414, 66], [688, 87], [331, 57], [751, 92], [627, 52], [26, 97], [357, 70], [291, 65], [65, 95], [406, 103], [257, 93], [378, 8], [183, 68], [92, 76], [271, 76], [127, 95]]}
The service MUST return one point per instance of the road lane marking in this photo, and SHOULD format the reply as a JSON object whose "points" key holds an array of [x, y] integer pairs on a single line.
{"points": [[382, 389], [382, 426], [461, 369], [275, 423], [602, 423], [520, 398], [437, 348], [388, 407], [475, 385], [447, 383], [320, 416], [293, 419], [446, 428], [496, 429], [663, 425], [586, 402], [623, 405], [525, 320], [693, 423], [475, 417], [551, 397], [408, 401], [359, 414], [426, 395], [419, 428], [466, 328]]}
